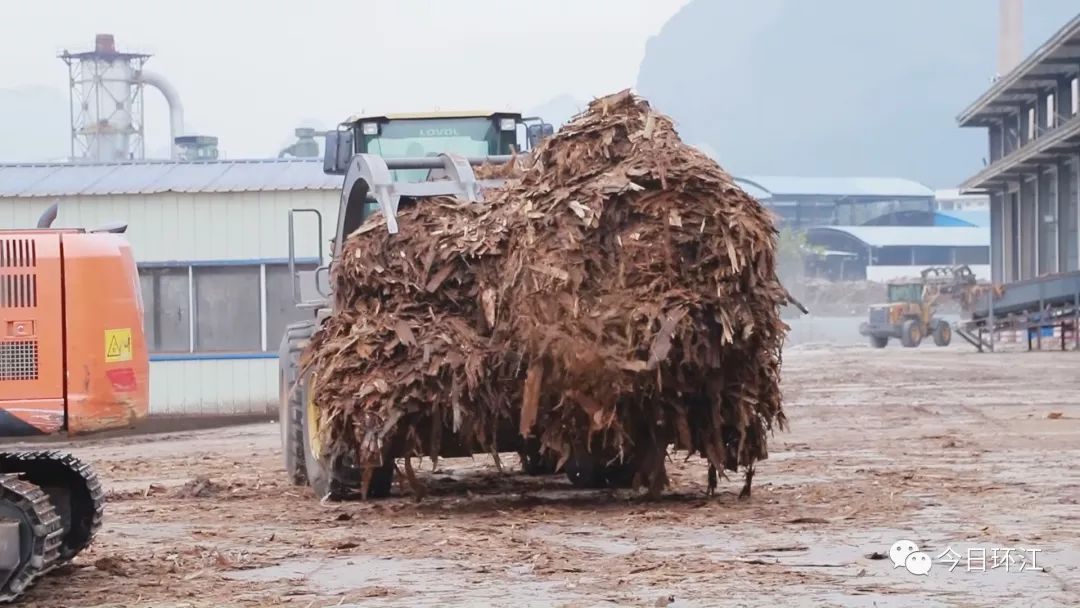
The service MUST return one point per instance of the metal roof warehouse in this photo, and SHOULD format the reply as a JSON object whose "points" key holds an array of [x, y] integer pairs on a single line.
{"points": [[885, 252], [810, 201], [153, 177], [211, 242], [909, 236]]}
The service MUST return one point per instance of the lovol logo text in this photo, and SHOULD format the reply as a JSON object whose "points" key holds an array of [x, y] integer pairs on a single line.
{"points": [[438, 132]]}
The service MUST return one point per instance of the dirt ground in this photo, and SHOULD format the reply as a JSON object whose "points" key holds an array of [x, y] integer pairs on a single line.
{"points": [[943, 447]]}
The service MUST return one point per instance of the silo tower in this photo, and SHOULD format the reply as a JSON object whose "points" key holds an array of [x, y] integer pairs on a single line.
{"points": [[106, 93], [106, 103]]}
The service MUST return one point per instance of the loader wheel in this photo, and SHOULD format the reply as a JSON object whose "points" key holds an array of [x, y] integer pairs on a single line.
{"points": [[593, 472], [291, 402], [335, 477], [942, 334], [534, 461], [879, 341], [910, 333]]}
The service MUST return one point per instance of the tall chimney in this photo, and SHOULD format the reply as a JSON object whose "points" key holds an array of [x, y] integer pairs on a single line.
{"points": [[104, 44], [1010, 36]]}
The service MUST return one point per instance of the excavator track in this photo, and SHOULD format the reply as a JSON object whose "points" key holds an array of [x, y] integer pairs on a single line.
{"points": [[41, 532], [73, 488]]}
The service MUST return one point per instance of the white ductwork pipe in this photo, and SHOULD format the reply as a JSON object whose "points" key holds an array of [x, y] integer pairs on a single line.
{"points": [[176, 108]]}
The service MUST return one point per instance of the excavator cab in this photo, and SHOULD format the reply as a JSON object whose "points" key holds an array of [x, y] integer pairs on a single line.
{"points": [[73, 360], [385, 160]]}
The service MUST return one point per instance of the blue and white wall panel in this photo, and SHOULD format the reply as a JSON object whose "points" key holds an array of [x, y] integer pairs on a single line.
{"points": [[215, 227]]}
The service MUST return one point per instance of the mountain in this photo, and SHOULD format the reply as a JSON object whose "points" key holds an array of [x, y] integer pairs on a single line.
{"points": [[837, 87], [558, 110]]}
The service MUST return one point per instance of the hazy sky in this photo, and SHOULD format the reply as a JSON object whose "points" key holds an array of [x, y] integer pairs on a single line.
{"points": [[249, 71]]}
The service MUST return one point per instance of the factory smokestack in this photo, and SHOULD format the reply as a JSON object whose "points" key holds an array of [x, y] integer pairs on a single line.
{"points": [[1010, 36], [106, 97], [105, 44]]}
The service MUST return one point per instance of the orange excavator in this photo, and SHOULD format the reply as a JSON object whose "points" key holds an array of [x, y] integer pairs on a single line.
{"points": [[73, 360]]}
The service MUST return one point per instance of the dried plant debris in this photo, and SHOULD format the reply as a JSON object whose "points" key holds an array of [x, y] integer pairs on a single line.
{"points": [[615, 297]]}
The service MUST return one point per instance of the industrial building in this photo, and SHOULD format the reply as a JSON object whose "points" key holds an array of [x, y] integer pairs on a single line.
{"points": [[1032, 166], [801, 202], [883, 253], [211, 242]]}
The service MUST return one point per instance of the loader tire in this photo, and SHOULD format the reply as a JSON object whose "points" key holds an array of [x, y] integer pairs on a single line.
{"points": [[910, 333], [591, 471], [334, 477], [534, 461], [291, 402], [942, 334]]}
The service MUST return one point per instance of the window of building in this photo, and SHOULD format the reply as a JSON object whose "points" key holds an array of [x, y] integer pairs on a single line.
{"points": [[972, 255], [1051, 111], [280, 306], [1031, 124], [228, 302], [1075, 96], [1047, 221], [234, 309], [892, 256], [1070, 209], [931, 256], [166, 309]]}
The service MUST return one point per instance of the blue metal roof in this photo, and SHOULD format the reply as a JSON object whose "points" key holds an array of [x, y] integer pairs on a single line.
{"points": [[971, 217], [152, 177], [914, 217], [910, 236], [867, 187]]}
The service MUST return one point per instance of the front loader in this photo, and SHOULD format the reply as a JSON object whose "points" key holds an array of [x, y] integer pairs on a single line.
{"points": [[385, 160], [910, 313]]}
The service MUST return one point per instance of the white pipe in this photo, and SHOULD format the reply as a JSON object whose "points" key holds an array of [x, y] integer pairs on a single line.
{"points": [[176, 108]]}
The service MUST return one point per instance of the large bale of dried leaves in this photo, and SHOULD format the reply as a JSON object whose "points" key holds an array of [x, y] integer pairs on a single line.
{"points": [[639, 282], [406, 353], [617, 296]]}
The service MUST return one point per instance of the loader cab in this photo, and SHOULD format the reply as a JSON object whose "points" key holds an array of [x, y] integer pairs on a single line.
{"points": [[409, 146], [905, 292], [469, 134]]}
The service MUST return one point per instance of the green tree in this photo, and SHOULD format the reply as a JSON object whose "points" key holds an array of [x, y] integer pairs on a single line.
{"points": [[791, 252]]}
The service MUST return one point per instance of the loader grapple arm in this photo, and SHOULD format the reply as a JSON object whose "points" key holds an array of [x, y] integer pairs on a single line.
{"points": [[369, 176]]}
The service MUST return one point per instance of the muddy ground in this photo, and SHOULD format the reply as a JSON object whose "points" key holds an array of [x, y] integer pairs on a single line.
{"points": [[943, 447]]}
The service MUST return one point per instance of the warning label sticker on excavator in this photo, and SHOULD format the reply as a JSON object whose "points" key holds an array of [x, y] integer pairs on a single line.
{"points": [[117, 345]]}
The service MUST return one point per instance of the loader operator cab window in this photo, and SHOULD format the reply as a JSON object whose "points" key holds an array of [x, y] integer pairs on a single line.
{"points": [[403, 138], [911, 292], [423, 137]]}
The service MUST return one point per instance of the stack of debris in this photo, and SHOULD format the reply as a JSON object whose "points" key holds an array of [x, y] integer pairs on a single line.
{"points": [[616, 298]]}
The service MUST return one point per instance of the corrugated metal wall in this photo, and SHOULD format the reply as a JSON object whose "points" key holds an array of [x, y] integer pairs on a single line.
{"points": [[193, 227], [226, 226], [236, 386]]}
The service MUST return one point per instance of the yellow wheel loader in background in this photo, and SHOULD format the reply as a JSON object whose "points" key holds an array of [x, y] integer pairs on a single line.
{"points": [[910, 313]]}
